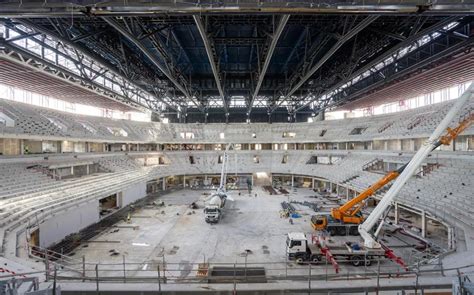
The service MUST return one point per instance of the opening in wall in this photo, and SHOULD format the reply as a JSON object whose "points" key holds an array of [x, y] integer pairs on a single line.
{"points": [[357, 130], [108, 205], [256, 159]]}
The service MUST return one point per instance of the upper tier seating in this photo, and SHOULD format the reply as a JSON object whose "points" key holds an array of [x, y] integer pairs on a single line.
{"points": [[33, 120]]}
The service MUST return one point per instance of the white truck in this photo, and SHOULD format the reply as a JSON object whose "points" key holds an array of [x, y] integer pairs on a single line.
{"points": [[300, 249], [213, 209]]}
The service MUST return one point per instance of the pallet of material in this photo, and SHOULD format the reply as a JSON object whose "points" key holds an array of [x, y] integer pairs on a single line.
{"points": [[283, 191], [270, 190]]}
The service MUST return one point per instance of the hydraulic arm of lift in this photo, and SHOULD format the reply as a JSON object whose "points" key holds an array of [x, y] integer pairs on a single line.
{"points": [[435, 140], [225, 158], [347, 213]]}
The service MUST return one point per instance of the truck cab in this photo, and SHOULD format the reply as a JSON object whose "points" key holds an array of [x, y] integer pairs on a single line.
{"points": [[212, 214], [298, 248]]}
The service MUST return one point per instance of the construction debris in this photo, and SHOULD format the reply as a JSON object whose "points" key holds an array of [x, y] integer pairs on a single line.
{"points": [[288, 207], [311, 205]]}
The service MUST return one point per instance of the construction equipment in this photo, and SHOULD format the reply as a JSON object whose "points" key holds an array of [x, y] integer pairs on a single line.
{"points": [[366, 229], [346, 218], [217, 200], [301, 249], [298, 247]]}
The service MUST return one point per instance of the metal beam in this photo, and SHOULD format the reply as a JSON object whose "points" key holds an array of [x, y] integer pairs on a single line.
{"points": [[84, 51], [354, 31], [268, 57], [113, 23], [392, 51], [212, 58], [26, 59], [30, 8]]}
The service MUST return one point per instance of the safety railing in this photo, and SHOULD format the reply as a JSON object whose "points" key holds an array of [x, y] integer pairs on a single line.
{"points": [[160, 272], [171, 272]]}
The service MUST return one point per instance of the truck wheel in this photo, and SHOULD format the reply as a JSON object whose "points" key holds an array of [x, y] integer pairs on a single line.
{"points": [[316, 259], [368, 261], [354, 231], [357, 260], [341, 231], [299, 259], [332, 231]]}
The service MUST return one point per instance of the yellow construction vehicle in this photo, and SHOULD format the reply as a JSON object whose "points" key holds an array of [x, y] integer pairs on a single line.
{"points": [[346, 219]]}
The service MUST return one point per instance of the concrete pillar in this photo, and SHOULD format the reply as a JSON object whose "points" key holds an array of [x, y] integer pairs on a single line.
{"points": [[337, 189], [397, 213], [312, 183], [451, 238], [423, 224], [22, 146], [347, 194], [87, 169], [292, 180], [320, 116], [164, 183], [184, 181], [72, 170], [330, 187], [138, 147]]}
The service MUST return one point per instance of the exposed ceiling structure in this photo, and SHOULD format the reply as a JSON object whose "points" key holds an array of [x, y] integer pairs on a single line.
{"points": [[48, 84], [453, 71], [232, 61]]}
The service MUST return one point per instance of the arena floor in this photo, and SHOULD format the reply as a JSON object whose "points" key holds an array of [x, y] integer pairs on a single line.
{"points": [[177, 238]]}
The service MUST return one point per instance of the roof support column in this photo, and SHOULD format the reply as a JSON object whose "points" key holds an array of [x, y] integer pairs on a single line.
{"points": [[268, 57], [354, 31], [213, 59]]}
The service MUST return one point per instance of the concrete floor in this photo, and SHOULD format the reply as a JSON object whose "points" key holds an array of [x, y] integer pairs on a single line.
{"points": [[179, 236]]}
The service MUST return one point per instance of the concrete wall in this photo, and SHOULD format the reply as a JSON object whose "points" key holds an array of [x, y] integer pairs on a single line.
{"points": [[34, 146], [79, 147], [133, 193], [73, 220], [394, 145], [9, 147], [67, 146], [96, 147]]}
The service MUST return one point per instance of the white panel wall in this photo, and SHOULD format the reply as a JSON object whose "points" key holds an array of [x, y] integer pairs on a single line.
{"points": [[133, 193], [73, 220]]}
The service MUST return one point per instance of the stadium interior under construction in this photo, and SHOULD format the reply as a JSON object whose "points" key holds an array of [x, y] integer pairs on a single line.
{"points": [[236, 147]]}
